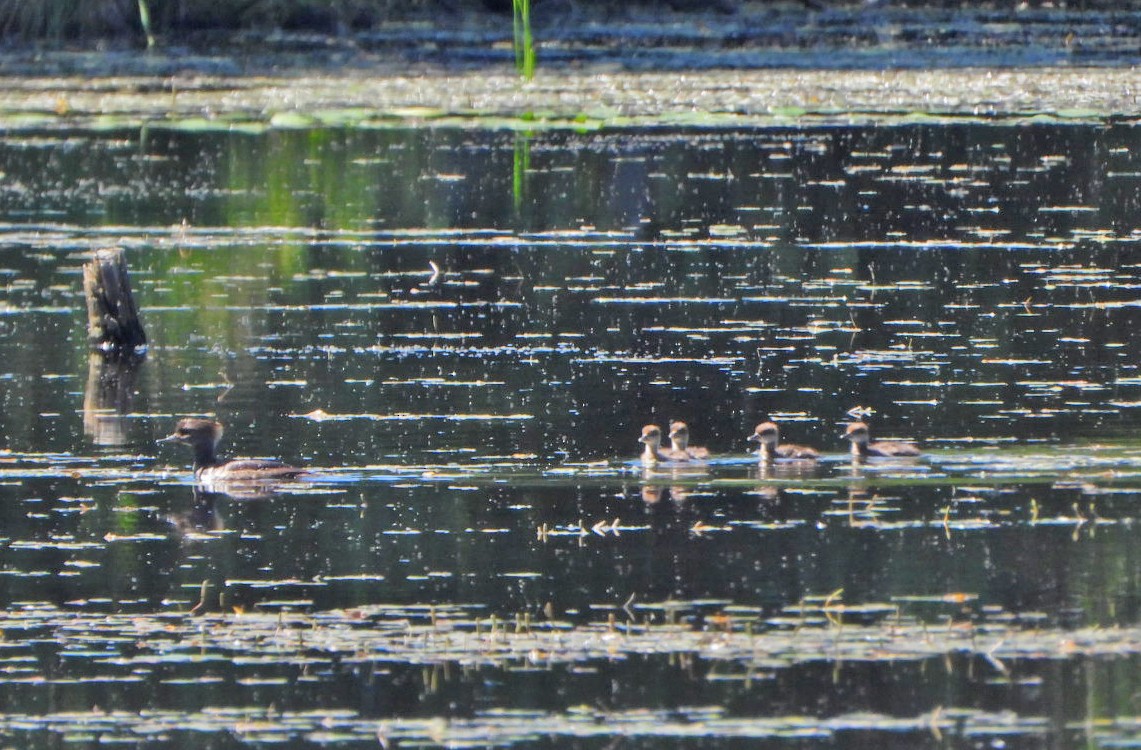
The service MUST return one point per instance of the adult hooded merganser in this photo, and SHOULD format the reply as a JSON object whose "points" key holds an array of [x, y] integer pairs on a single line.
{"points": [[680, 449], [857, 432], [202, 435], [767, 435], [652, 439]]}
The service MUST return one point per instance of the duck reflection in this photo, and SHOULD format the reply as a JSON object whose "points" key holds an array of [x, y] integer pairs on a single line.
{"points": [[763, 470], [672, 481], [654, 494], [202, 517]]}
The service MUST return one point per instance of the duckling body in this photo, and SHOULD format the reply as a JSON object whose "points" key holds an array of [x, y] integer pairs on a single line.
{"points": [[680, 449], [767, 436], [862, 445]]}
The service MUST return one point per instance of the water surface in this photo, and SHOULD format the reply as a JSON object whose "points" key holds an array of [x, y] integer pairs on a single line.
{"points": [[464, 332]]}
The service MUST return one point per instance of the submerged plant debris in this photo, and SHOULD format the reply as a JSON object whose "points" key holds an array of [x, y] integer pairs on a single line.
{"points": [[577, 101], [422, 634], [183, 650]]}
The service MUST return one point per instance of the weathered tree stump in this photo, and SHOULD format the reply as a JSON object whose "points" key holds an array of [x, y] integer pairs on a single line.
{"points": [[113, 324]]}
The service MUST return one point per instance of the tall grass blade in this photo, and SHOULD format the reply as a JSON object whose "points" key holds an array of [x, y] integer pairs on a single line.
{"points": [[521, 166], [522, 40], [145, 21]]}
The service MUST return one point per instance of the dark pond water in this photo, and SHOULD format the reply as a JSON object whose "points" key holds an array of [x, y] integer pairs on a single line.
{"points": [[464, 332]]}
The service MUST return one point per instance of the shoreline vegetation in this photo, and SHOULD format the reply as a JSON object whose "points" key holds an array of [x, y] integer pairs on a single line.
{"points": [[262, 36], [561, 63], [134, 21]]}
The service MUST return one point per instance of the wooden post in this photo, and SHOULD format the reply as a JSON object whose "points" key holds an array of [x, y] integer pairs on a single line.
{"points": [[113, 325]]}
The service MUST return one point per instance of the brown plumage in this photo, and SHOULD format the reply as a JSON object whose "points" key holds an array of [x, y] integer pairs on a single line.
{"points": [[651, 438], [767, 436], [862, 446], [680, 449]]}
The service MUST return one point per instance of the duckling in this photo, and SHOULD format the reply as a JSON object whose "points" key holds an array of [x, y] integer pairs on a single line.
{"points": [[858, 434], [680, 449], [652, 439], [767, 436]]}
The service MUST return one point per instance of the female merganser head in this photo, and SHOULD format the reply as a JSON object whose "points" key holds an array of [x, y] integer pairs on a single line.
{"points": [[862, 447], [680, 449], [202, 435], [767, 435], [652, 439]]}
